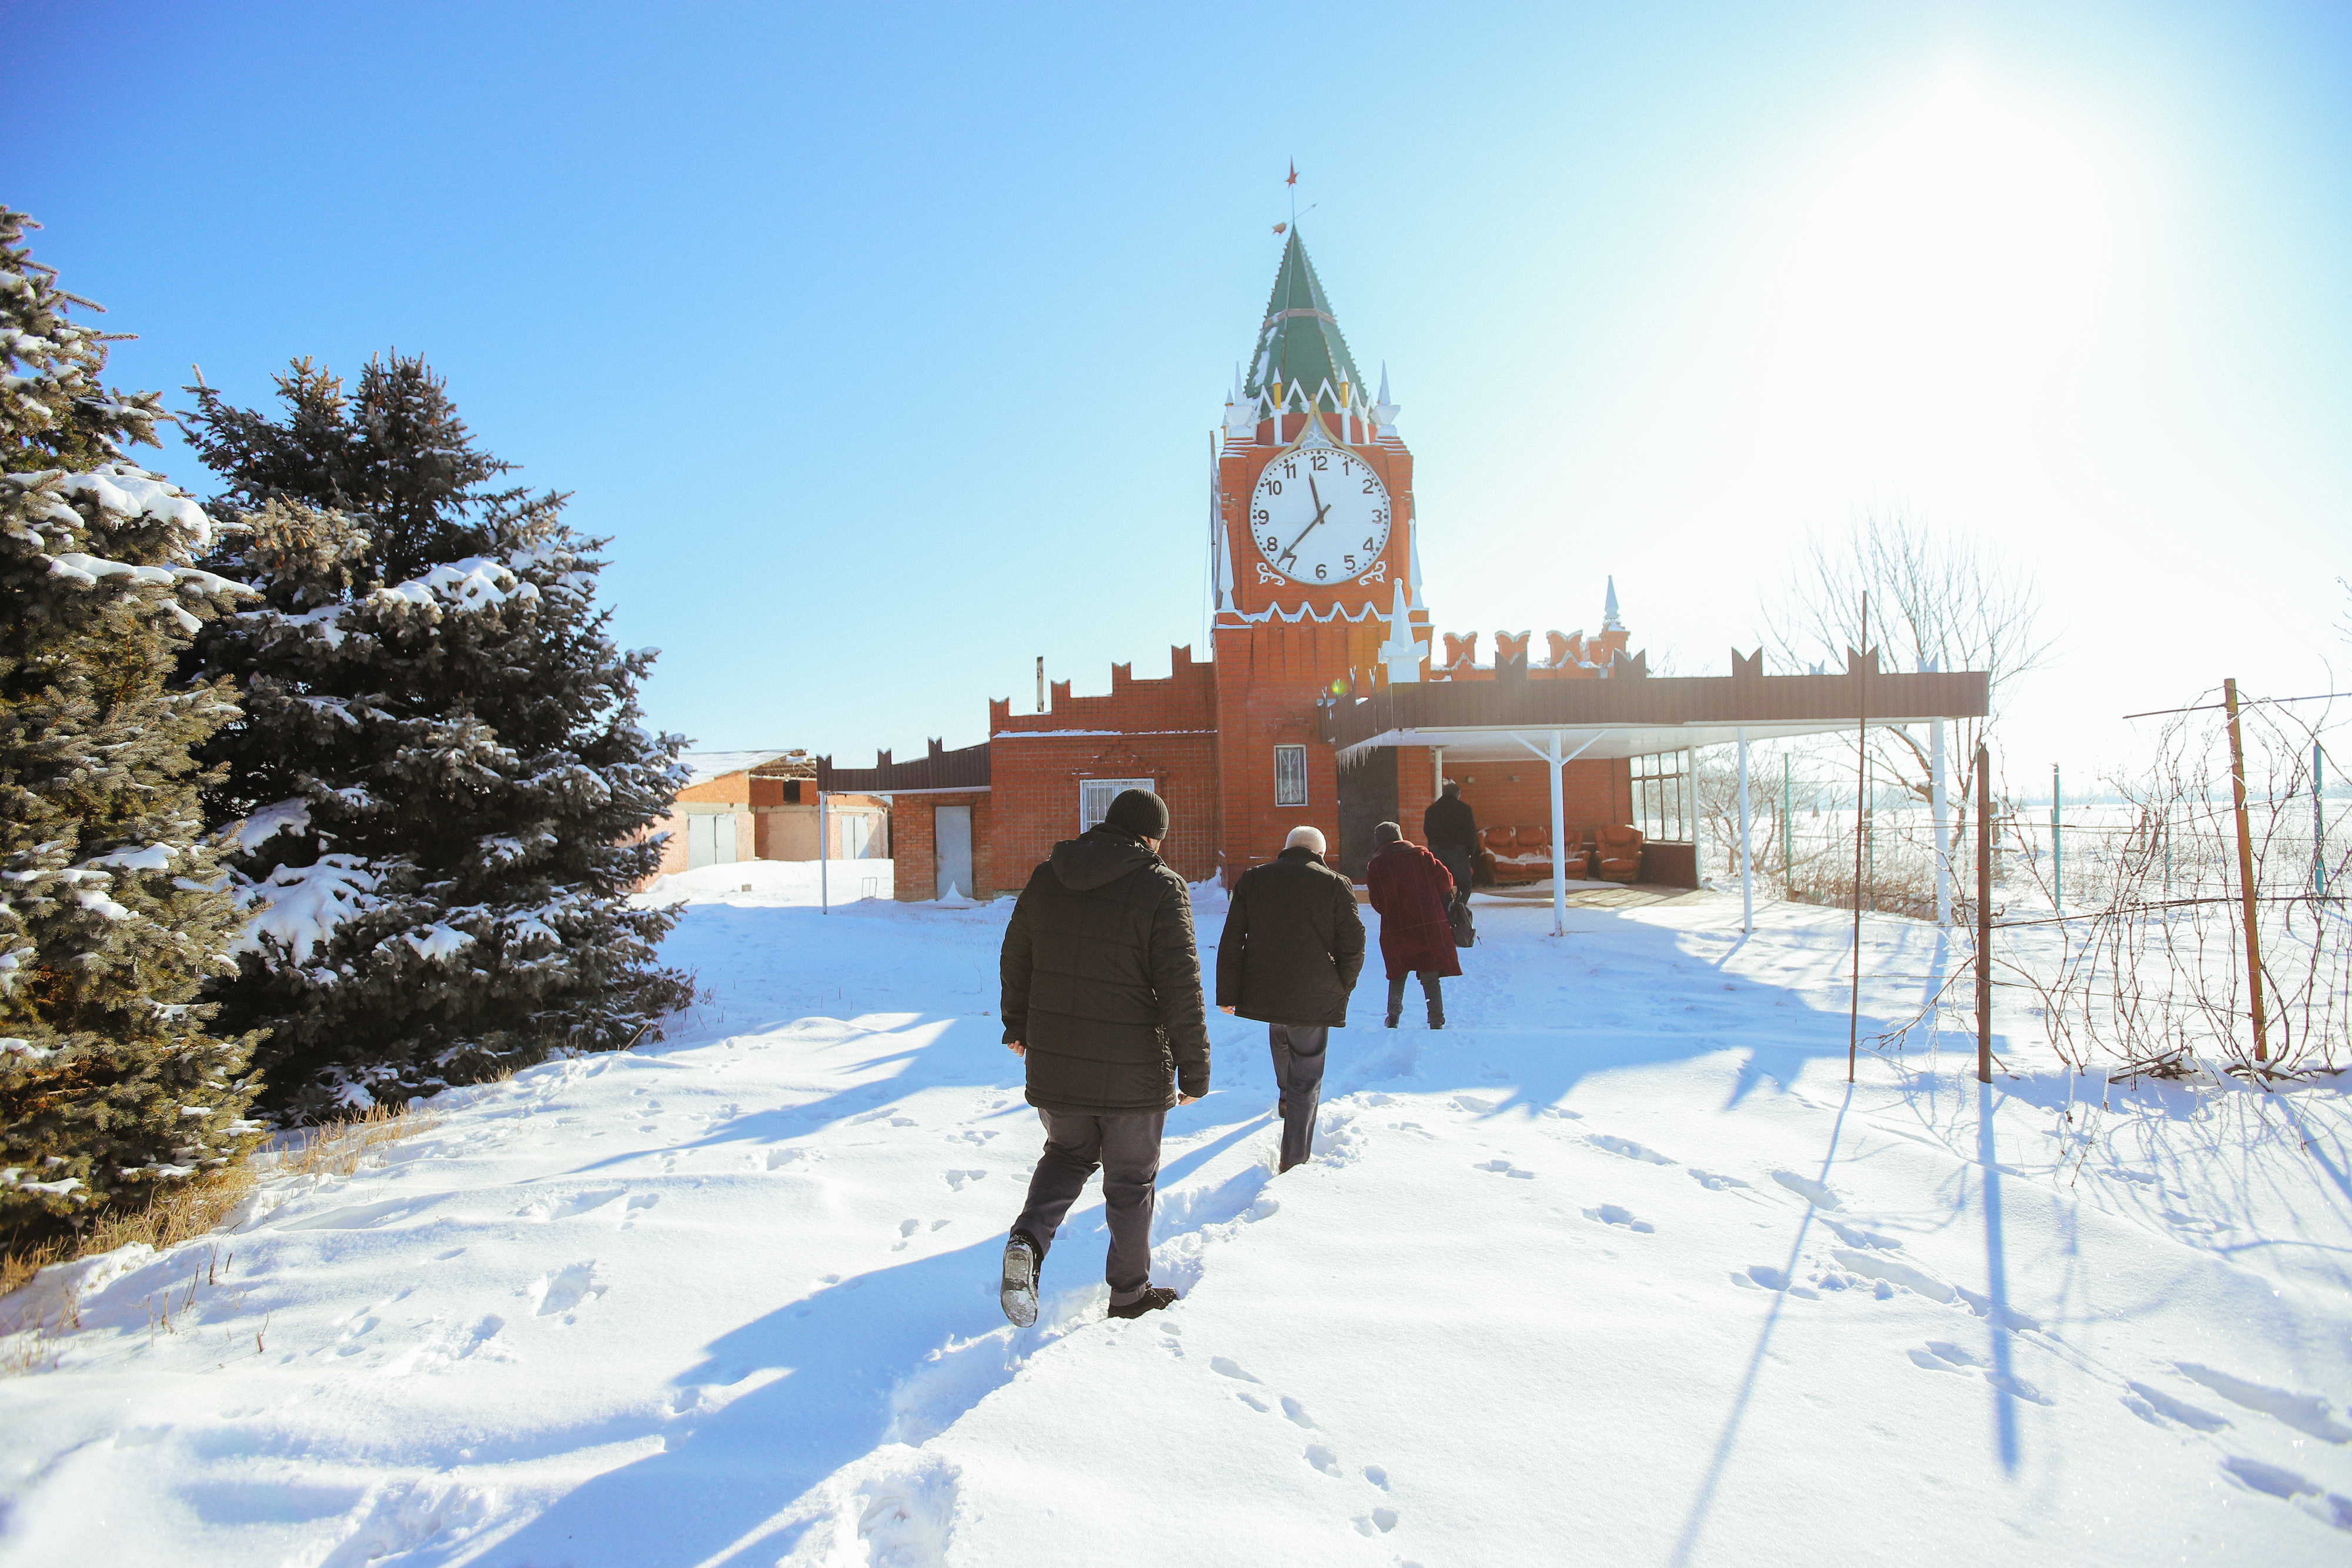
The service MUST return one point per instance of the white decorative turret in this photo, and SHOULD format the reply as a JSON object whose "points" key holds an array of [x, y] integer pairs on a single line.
{"points": [[1241, 411], [1609, 621], [1384, 412], [1401, 653]]}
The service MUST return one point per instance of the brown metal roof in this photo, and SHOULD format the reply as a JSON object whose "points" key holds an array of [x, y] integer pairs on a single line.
{"points": [[1630, 715], [963, 769]]}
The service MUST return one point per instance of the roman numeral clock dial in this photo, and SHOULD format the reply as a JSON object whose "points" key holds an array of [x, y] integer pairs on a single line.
{"points": [[1319, 516]]}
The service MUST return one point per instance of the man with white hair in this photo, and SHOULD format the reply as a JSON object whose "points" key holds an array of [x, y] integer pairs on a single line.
{"points": [[1293, 947]]}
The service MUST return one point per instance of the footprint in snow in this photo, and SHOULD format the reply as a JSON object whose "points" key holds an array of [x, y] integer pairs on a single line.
{"points": [[1629, 1148], [1808, 1189], [2327, 1506], [1610, 1214], [1942, 1356], [1765, 1277], [2155, 1406], [1381, 1519], [563, 1292], [1505, 1167], [1716, 1182], [957, 1179]]}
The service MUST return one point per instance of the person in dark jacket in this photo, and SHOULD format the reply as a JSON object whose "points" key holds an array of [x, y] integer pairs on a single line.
{"points": [[1411, 889], [1292, 949], [1102, 1003], [1451, 831]]}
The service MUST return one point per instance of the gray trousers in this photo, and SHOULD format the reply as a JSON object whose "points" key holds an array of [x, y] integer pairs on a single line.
{"points": [[1298, 1079], [1456, 861], [1127, 1148]]}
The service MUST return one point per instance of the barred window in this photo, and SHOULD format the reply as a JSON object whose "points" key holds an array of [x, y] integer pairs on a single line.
{"points": [[1094, 796], [1290, 776]]}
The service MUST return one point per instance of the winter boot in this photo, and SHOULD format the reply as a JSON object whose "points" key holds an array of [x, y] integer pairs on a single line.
{"points": [[1436, 1013], [1018, 1294], [1396, 1002], [1154, 1297]]}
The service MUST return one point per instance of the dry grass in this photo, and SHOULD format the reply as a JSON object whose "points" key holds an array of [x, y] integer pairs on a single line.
{"points": [[189, 1209]]}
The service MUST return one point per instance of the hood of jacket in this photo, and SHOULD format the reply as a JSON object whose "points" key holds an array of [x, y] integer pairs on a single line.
{"points": [[1098, 857]]}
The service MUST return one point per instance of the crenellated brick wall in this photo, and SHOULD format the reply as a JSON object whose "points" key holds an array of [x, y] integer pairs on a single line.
{"points": [[1164, 730]]}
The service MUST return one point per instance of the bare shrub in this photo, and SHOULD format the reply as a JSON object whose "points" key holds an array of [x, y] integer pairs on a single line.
{"points": [[2150, 973], [193, 1208]]}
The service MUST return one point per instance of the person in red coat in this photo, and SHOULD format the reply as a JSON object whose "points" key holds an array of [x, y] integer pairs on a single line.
{"points": [[1410, 888]]}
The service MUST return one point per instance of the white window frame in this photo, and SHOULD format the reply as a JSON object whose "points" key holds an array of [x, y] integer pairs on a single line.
{"points": [[1094, 796], [1298, 797]]}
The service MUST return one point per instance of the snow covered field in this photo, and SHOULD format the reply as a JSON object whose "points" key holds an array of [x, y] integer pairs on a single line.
{"points": [[1617, 1269]]}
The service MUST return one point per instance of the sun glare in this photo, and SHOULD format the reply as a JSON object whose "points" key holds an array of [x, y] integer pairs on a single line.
{"points": [[1949, 275]]}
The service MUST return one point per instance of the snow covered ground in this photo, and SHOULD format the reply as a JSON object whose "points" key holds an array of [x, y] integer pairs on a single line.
{"points": [[1617, 1269]]}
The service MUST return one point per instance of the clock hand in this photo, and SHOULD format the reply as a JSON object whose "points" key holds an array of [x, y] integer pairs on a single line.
{"points": [[1321, 508]]}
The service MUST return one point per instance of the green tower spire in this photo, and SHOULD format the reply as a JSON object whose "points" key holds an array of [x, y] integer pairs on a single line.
{"points": [[1299, 345]]}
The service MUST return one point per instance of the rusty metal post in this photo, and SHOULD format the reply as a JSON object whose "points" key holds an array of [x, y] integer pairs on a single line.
{"points": [[1861, 790], [2246, 872], [1984, 914]]}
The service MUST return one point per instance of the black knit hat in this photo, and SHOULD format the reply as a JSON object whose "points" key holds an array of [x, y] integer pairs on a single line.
{"points": [[1141, 812], [1387, 833]]}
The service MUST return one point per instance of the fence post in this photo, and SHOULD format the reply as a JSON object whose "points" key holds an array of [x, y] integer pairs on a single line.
{"points": [[1861, 787], [2246, 872], [2057, 858], [2318, 827], [1942, 825], [1788, 831], [1984, 914]]}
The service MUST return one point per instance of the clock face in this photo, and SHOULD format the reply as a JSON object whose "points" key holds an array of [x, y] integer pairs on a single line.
{"points": [[1319, 515]]}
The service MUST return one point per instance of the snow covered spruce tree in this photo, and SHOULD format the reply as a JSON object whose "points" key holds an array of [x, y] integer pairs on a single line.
{"points": [[437, 792], [113, 912]]}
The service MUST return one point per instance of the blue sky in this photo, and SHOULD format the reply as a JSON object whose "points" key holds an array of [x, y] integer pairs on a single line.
{"points": [[885, 342]]}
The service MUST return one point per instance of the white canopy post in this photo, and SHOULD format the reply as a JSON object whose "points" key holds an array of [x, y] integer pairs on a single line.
{"points": [[823, 853], [1559, 849], [1556, 760], [1747, 858]]}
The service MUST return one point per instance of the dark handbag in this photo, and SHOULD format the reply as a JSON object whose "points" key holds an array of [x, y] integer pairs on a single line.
{"points": [[1466, 930]]}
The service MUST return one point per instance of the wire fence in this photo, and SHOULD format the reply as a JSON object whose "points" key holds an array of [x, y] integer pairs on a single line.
{"points": [[2128, 918]]}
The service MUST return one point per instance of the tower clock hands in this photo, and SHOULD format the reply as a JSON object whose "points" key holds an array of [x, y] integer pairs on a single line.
{"points": [[1321, 508]]}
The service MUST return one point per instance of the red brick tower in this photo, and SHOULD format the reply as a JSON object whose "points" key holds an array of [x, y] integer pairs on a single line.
{"points": [[1318, 591]]}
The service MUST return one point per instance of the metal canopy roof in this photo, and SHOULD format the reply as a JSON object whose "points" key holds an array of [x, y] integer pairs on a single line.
{"points": [[1632, 715]]}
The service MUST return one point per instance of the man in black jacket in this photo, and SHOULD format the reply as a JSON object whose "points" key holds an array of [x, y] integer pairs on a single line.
{"points": [[1451, 832], [1293, 947], [1102, 1003]]}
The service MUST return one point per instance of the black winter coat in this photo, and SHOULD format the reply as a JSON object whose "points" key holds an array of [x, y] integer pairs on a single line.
{"points": [[1102, 979], [1293, 943], [1448, 824]]}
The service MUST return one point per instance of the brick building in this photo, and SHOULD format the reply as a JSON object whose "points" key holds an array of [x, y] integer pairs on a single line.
{"points": [[762, 805], [1318, 605]]}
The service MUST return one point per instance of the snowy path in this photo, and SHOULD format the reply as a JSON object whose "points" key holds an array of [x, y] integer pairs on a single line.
{"points": [[1616, 1270]]}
